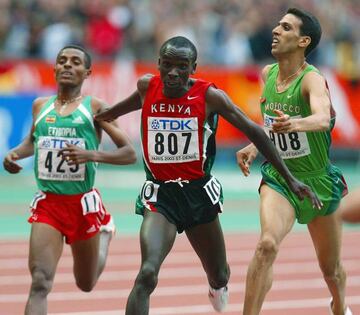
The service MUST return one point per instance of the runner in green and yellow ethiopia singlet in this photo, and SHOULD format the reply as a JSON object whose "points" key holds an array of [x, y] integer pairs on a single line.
{"points": [[51, 134], [306, 154]]}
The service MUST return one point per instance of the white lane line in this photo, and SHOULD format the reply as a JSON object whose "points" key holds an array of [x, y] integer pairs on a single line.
{"points": [[310, 267], [243, 242], [351, 265], [293, 254], [162, 291], [205, 309]]}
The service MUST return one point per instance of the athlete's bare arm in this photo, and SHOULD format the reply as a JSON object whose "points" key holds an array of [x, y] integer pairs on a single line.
{"points": [[218, 101], [264, 73], [26, 147], [247, 155], [316, 94], [129, 104], [123, 155]]}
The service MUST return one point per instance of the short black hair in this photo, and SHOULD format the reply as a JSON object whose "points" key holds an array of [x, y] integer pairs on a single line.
{"points": [[180, 42], [87, 60], [310, 26]]}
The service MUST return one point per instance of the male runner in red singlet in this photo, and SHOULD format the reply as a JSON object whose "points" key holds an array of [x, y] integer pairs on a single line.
{"points": [[178, 124]]}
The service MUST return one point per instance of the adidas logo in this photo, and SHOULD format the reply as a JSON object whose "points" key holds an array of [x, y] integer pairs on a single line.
{"points": [[78, 120], [91, 229]]}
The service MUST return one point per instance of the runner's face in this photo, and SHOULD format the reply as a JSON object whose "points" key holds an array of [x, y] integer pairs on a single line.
{"points": [[175, 66], [286, 35], [70, 67]]}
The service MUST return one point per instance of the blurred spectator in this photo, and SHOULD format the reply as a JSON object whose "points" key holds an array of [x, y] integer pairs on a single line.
{"points": [[228, 32], [105, 23], [18, 32]]}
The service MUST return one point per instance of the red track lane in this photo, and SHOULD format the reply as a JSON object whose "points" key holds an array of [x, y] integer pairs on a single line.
{"points": [[298, 286]]}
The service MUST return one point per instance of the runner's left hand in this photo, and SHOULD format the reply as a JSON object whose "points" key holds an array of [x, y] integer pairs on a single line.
{"points": [[283, 123], [72, 154], [304, 191]]}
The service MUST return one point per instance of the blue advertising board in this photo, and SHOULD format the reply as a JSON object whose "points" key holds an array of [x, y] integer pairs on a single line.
{"points": [[15, 121]]}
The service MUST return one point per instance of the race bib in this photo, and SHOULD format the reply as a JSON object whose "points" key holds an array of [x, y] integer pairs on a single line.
{"points": [[213, 190], [173, 140], [149, 192], [289, 145], [51, 166], [91, 202]]}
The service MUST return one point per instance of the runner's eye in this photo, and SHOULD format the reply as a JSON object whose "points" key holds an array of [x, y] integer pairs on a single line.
{"points": [[286, 27], [165, 64], [77, 62]]}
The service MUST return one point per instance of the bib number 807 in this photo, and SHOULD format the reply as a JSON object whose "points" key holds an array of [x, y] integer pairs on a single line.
{"points": [[171, 142]]}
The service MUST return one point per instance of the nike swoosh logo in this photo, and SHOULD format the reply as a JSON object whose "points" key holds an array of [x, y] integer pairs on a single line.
{"points": [[191, 97], [289, 96]]}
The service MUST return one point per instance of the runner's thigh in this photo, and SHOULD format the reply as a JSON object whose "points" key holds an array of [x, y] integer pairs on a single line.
{"points": [[277, 215], [46, 244]]}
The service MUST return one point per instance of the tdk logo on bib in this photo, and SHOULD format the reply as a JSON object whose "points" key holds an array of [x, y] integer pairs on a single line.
{"points": [[171, 124], [155, 124], [46, 143], [268, 121], [57, 143]]}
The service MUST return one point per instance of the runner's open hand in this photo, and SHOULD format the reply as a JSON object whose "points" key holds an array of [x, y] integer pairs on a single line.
{"points": [[245, 157], [303, 191]]}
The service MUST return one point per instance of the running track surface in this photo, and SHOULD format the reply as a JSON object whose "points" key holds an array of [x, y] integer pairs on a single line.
{"points": [[298, 286]]}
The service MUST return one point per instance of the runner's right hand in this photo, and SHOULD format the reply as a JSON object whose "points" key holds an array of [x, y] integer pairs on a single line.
{"points": [[10, 165], [105, 115], [304, 191], [245, 157]]}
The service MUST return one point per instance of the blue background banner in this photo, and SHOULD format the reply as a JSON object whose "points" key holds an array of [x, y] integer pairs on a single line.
{"points": [[15, 120]]}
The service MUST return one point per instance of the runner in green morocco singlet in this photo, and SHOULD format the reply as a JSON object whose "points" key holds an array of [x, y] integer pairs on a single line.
{"points": [[51, 134], [306, 154], [301, 151], [298, 118]]}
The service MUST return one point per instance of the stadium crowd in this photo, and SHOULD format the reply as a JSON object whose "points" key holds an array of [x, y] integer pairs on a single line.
{"points": [[228, 32]]}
